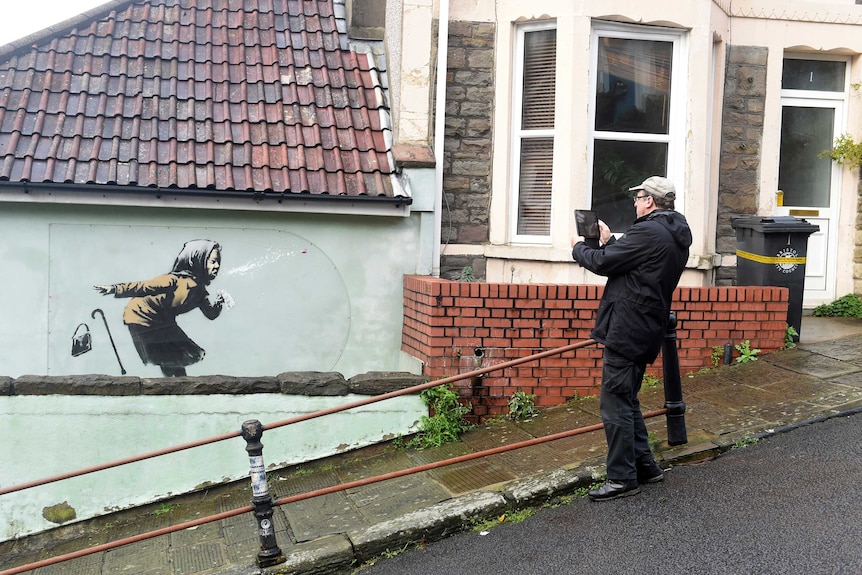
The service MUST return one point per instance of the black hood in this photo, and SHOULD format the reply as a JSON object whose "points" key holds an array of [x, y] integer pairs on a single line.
{"points": [[192, 259], [675, 223]]}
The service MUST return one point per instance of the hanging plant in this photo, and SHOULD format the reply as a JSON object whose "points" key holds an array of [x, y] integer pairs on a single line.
{"points": [[845, 150]]}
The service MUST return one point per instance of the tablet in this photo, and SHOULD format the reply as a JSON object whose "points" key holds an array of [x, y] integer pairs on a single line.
{"points": [[588, 223]]}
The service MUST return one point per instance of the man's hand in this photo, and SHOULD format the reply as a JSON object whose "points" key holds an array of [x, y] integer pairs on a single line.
{"points": [[604, 237], [604, 232]]}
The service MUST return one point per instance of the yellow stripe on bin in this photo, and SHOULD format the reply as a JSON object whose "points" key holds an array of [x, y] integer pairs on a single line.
{"points": [[768, 259]]}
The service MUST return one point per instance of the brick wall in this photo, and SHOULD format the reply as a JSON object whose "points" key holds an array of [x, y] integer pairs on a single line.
{"points": [[458, 327]]}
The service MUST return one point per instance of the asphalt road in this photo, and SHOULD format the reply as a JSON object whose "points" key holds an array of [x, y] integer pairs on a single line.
{"points": [[788, 504]]}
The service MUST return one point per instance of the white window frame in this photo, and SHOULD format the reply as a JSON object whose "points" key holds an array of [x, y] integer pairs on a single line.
{"points": [[676, 137], [518, 134]]}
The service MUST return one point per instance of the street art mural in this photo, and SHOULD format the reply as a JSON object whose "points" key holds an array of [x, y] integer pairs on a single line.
{"points": [[129, 311], [151, 313]]}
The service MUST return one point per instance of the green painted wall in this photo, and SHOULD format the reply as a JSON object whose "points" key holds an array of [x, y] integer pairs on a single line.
{"points": [[111, 428], [313, 292]]}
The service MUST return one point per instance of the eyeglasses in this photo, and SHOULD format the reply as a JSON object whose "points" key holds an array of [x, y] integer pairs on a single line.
{"points": [[636, 198]]}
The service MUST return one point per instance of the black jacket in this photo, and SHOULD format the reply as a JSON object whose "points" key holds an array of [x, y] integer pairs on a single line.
{"points": [[643, 268]]}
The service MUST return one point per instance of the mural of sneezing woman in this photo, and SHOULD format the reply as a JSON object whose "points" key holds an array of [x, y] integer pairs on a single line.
{"points": [[151, 314]]}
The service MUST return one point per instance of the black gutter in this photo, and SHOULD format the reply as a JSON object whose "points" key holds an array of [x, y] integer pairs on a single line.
{"points": [[202, 193]]}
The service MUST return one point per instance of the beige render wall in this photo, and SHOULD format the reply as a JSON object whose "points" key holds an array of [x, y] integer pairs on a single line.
{"points": [[411, 38], [833, 28]]}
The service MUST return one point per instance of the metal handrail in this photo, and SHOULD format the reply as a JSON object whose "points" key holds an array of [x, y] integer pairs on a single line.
{"points": [[318, 492], [296, 419]]}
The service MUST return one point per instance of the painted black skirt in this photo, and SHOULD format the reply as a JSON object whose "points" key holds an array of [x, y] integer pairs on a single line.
{"points": [[165, 346]]}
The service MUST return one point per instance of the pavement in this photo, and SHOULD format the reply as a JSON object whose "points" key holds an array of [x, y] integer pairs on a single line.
{"points": [[340, 531]]}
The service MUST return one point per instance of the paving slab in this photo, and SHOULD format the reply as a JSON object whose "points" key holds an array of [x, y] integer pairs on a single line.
{"points": [[816, 365], [462, 478], [198, 557], [759, 373], [733, 395], [295, 482], [523, 462], [391, 498], [320, 516], [562, 418], [713, 419], [844, 349]]}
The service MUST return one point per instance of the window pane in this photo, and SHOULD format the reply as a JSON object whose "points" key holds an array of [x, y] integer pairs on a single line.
{"points": [[812, 75], [617, 167], [540, 61], [534, 194], [805, 177], [633, 85]]}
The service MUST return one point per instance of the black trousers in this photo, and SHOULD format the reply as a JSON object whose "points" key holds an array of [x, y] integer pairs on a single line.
{"points": [[625, 430]]}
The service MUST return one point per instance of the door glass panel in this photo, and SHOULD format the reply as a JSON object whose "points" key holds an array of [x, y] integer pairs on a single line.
{"points": [[803, 175], [812, 75], [618, 166], [633, 85]]}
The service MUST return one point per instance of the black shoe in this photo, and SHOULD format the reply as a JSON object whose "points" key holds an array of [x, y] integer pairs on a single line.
{"points": [[650, 472], [613, 489]]}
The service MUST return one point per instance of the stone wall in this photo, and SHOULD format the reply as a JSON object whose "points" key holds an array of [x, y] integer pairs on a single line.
{"points": [[741, 137], [467, 146], [459, 327]]}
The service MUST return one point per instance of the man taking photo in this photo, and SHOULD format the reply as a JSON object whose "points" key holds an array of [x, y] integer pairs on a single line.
{"points": [[643, 267]]}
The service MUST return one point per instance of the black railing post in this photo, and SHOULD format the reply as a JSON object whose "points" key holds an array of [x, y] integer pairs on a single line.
{"points": [[269, 553], [676, 434]]}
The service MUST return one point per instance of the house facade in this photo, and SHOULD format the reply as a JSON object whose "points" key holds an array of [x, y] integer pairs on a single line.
{"points": [[555, 106]]}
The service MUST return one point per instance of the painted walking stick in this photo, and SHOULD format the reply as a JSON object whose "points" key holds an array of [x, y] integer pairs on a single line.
{"points": [[93, 315]]}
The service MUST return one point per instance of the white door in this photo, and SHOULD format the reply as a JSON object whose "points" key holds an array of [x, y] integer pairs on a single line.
{"points": [[812, 116]]}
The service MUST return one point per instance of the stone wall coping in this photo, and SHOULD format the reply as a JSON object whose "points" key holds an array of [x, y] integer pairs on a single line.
{"points": [[307, 383]]}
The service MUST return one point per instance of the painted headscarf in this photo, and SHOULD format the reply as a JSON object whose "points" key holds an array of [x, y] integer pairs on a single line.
{"points": [[192, 260]]}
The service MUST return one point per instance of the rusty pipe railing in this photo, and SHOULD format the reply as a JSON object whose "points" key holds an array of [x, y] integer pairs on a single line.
{"points": [[298, 418], [671, 402], [317, 493]]}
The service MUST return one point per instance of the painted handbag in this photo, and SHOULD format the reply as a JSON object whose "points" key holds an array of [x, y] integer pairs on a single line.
{"points": [[81, 341]]}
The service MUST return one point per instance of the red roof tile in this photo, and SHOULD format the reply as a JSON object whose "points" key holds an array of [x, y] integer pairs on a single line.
{"points": [[223, 95]]}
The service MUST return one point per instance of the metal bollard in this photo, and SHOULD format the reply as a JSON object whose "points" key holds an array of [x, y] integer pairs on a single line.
{"points": [[728, 354], [676, 433], [261, 500]]}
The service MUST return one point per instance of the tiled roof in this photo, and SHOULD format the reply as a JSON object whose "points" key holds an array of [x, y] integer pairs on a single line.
{"points": [[264, 96]]}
